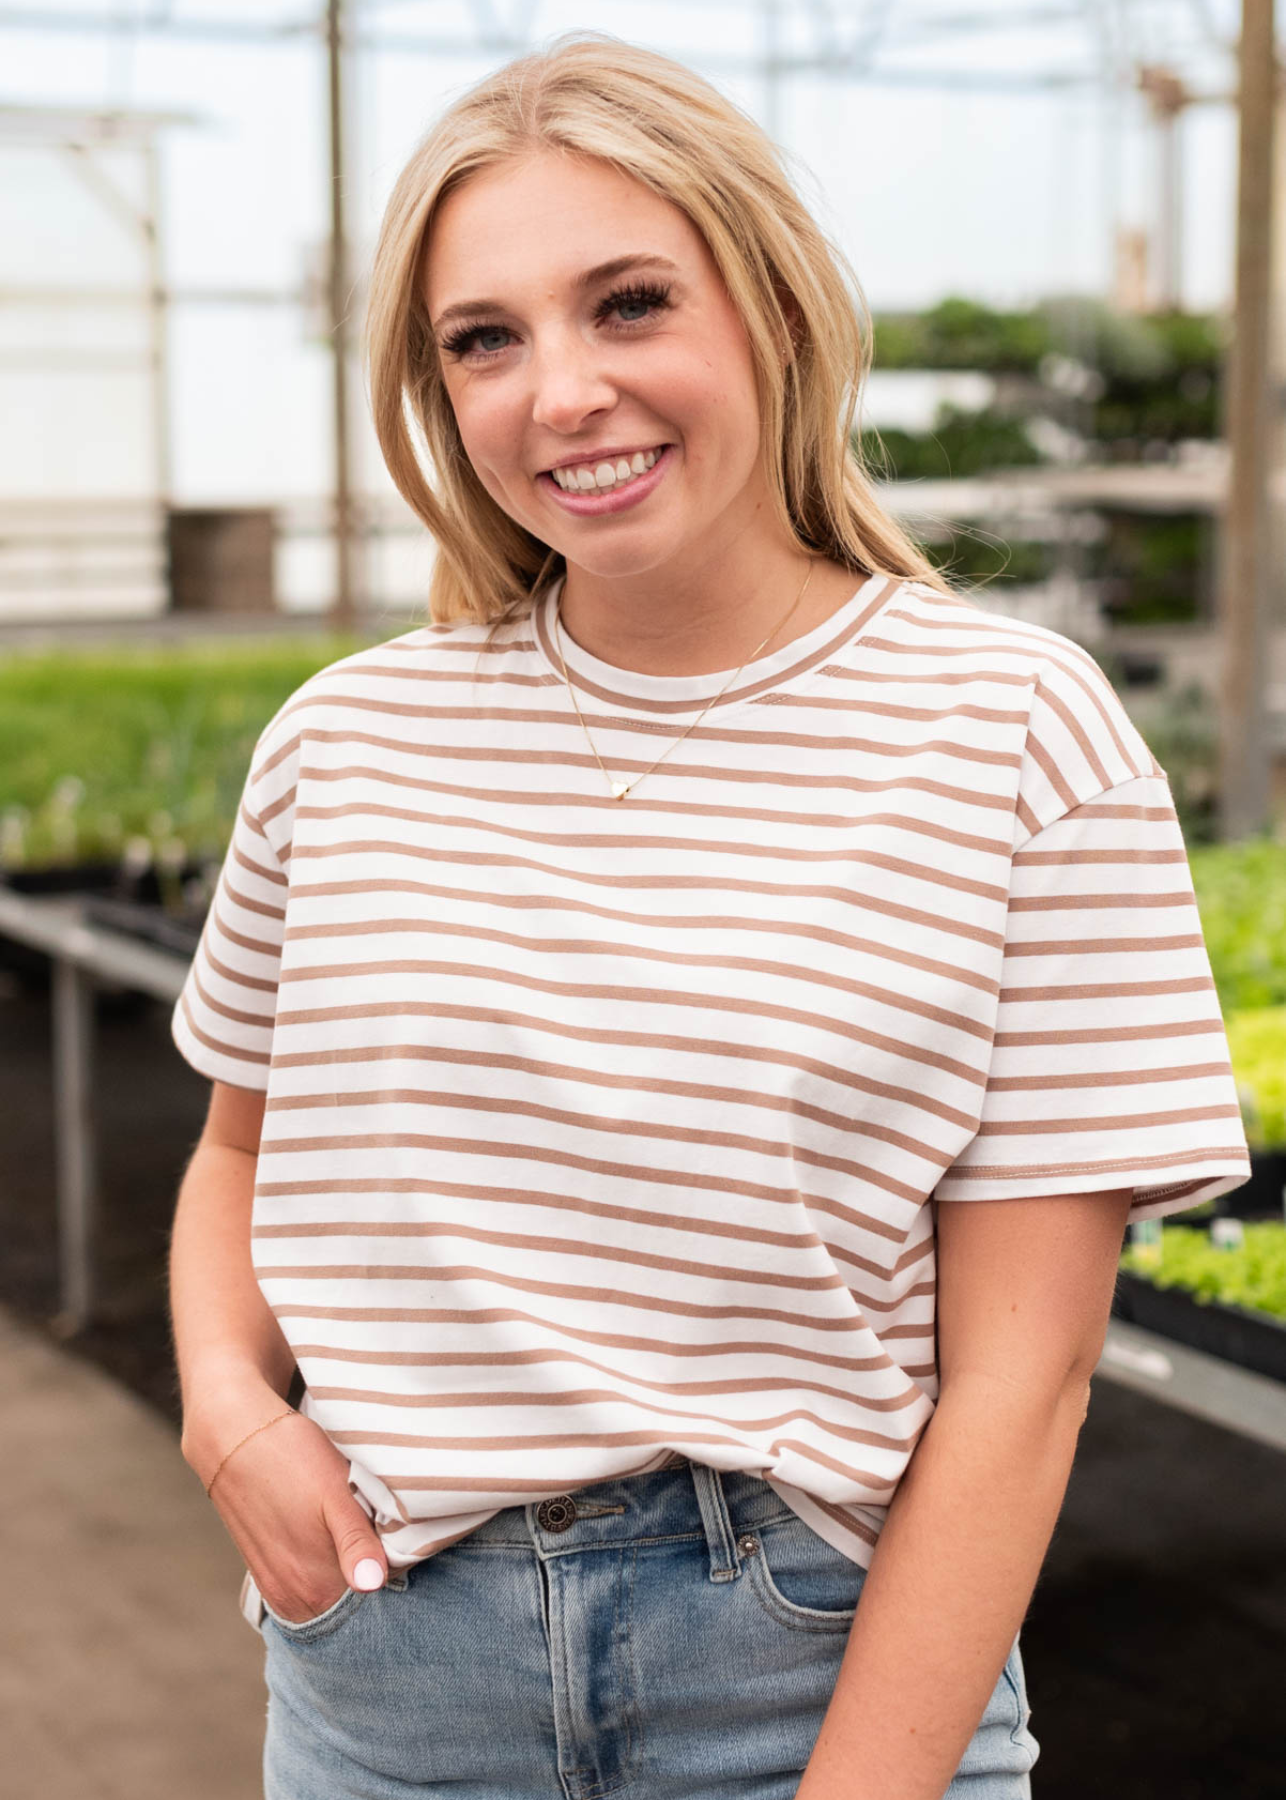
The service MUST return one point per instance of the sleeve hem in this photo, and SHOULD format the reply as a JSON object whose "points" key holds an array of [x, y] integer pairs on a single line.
{"points": [[237, 1071], [1152, 1199]]}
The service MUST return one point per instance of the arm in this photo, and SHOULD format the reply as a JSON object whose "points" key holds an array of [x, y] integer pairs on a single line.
{"points": [[1024, 1296], [284, 1497], [234, 1364]]}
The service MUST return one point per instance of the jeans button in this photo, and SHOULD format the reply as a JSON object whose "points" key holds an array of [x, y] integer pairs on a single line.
{"points": [[748, 1544], [557, 1514]]}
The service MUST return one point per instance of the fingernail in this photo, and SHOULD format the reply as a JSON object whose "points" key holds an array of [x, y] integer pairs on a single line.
{"points": [[368, 1574]]}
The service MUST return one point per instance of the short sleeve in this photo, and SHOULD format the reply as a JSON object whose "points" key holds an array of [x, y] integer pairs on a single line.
{"points": [[222, 1021], [1110, 1064]]}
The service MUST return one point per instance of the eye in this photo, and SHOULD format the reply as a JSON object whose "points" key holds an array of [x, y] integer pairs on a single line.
{"points": [[462, 340], [651, 296]]}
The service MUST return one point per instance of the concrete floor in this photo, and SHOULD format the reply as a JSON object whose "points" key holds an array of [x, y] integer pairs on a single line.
{"points": [[126, 1669]]}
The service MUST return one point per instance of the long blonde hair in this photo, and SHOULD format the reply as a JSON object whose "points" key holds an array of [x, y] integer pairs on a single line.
{"points": [[799, 300]]}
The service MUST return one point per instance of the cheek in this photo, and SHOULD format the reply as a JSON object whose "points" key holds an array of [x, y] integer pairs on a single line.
{"points": [[488, 430]]}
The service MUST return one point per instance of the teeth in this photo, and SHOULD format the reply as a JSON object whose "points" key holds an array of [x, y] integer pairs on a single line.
{"points": [[602, 477]]}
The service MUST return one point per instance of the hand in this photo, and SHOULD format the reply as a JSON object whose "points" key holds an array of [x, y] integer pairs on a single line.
{"points": [[285, 1501]]}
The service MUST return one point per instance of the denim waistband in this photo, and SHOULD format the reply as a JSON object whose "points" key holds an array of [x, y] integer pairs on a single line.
{"points": [[678, 1499]]}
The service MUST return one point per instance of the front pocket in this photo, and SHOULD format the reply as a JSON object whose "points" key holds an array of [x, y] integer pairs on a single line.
{"points": [[321, 1622], [800, 1579]]}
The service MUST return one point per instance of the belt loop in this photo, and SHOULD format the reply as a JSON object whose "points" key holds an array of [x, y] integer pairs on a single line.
{"points": [[725, 1565]]}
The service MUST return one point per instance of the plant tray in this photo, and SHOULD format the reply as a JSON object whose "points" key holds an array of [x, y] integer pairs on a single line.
{"points": [[153, 924], [1254, 1340], [1261, 1196]]}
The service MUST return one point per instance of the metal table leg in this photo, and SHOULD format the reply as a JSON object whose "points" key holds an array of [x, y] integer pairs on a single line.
{"points": [[73, 1020]]}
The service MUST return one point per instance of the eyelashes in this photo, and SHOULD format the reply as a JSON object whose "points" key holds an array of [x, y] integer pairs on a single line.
{"points": [[654, 295]]}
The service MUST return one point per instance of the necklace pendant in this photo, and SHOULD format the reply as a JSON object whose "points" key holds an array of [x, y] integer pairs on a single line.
{"points": [[620, 789]]}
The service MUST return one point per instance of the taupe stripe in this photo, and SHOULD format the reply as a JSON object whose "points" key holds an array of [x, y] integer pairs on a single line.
{"points": [[1208, 1153], [274, 873], [710, 1440], [1109, 1034], [1182, 1115], [1099, 1078], [842, 1028], [572, 1204], [566, 1159], [258, 946], [529, 757], [702, 962], [621, 1255], [1048, 766], [1114, 946], [863, 901], [634, 1085], [259, 1021], [378, 927], [1077, 665], [846, 855], [685, 809], [543, 1358], [1101, 902], [361, 1054], [848, 1436], [658, 1302], [247, 904], [1080, 737], [505, 1315], [536, 1400], [238, 977], [845, 1520], [840, 1076], [1107, 990], [1128, 855], [237, 1051], [694, 809], [877, 589]]}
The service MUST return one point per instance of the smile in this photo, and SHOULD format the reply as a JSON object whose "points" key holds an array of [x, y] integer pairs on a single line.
{"points": [[591, 488], [611, 473]]}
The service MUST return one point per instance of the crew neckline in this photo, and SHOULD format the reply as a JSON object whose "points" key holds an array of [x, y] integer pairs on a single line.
{"points": [[661, 694]]}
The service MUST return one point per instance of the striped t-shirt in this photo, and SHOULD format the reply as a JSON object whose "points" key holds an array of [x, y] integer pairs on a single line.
{"points": [[603, 1131]]}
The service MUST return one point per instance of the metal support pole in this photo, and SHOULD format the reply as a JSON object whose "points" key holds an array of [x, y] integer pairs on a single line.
{"points": [[344, 607], [73, 1022], [1244, 756]]}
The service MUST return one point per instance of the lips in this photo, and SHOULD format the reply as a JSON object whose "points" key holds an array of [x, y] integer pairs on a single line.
{"points": [[619, 497]]}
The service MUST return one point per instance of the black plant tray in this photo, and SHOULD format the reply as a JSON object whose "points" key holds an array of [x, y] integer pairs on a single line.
{"points": [[1255, 1340], [1261, 1196], [153, 924]]}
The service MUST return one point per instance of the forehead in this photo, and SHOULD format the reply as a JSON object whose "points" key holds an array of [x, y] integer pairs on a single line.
{"points": [[541, 220]]}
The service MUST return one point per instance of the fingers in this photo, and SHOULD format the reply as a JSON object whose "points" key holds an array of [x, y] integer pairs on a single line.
{"points": [[360, 1553]]}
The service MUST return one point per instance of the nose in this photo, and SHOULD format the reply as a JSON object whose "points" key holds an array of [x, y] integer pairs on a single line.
{"points": [[569, 383]]}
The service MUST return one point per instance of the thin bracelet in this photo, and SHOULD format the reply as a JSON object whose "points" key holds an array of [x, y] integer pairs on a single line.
{"points": [[288, 1414]]}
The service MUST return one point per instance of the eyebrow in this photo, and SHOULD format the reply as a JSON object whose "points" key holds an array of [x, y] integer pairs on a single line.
{"points": [[619, 265]]}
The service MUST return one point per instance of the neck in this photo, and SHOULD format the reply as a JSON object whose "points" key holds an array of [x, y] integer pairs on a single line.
{"points": [[700, 620]]}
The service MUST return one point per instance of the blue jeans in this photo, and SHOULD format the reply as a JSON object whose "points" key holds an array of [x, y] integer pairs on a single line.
{"points": [[675, 1635]]}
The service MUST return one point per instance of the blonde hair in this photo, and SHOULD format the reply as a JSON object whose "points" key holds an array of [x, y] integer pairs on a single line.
{"points": [[801, 305]]}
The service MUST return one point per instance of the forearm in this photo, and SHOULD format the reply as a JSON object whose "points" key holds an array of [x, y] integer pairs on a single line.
{"points": [[948, 1588], [228, 1346]]}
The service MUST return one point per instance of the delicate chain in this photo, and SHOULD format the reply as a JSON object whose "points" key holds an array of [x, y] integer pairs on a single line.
{"points": [[621, 788], [289, 1413]]}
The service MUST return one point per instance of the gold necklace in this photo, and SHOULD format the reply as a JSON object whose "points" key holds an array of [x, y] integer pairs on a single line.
{"points": [[621, 788]]}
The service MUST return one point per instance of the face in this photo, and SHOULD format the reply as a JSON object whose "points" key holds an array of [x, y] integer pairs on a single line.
{"points": [[639, 374]]}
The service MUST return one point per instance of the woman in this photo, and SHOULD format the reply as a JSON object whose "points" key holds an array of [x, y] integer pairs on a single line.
{"points": [[689, 1027]]}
